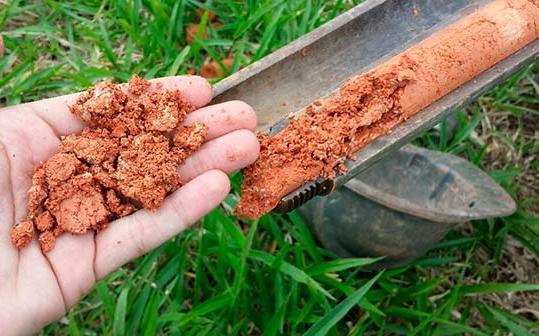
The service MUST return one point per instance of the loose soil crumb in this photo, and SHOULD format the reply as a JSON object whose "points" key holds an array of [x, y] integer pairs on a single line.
{"points": [[93, 146], [126, 161], [188, 139], [44, 221], [22, 233], [211, 15], [46, 241], [146, 170], [137, 85], [191, 33], [370, 105], [214, 70]]}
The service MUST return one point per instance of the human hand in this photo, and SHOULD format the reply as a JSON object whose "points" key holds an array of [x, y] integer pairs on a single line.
{"points": [[36, 289]]}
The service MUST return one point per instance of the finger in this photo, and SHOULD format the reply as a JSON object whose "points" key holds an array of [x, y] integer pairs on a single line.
{"points": [[38, 295], [72, 260], [227, 153], [9, 253], [224, 118], [27, 140], [132, 236], [195, 89], [55, 111]]}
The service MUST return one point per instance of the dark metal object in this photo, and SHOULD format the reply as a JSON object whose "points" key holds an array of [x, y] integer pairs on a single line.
{"points": [[401, 206], [450, 124], [320, 187], [315, 65]]}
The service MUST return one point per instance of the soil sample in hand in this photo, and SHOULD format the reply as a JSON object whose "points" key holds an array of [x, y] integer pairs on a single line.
{"points": [[126, 160], [367, 106]]}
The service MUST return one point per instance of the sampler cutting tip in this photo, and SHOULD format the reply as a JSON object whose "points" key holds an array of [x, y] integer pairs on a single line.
{"points": [[300, 196]]}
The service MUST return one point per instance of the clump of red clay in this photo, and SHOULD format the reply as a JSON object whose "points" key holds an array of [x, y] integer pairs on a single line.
{"points": [[126, 161], [191, 33], [214, 70], [310, 146], [370, 105]]}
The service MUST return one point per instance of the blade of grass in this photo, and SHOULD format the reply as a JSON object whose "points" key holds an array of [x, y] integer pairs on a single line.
{"points": [[173, 70], [513, 327], [290, 270], [340, 265], [329, 320], [118, 326], [498, 288], [106, 297]]}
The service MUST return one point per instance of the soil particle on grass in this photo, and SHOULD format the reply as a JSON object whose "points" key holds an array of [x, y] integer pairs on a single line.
{"points": [[211, 15], [370, 105], [127, 160], [214, 69], [191, 33]]}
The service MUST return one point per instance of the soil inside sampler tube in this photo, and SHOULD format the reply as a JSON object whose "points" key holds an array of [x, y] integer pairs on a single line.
{"points": [[317, 142], [126, 160]]}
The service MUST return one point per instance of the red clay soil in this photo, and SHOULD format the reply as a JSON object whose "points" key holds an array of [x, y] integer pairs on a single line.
{"points": [[126, 161], [191, 33], [211, 15], [214, 70], [370, 105]]}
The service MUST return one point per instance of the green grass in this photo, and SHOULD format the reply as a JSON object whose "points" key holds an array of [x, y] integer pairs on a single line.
{"points": [[234, 277]]}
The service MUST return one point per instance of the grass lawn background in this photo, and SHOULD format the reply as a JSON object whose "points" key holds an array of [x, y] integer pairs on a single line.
{"points": [[235, 277]]}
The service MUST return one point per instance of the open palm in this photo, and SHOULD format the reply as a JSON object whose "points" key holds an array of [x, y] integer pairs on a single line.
{"points": [[36, 289]]}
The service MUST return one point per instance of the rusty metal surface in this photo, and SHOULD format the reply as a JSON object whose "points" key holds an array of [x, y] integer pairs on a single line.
{"points": [[314, 66]]}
